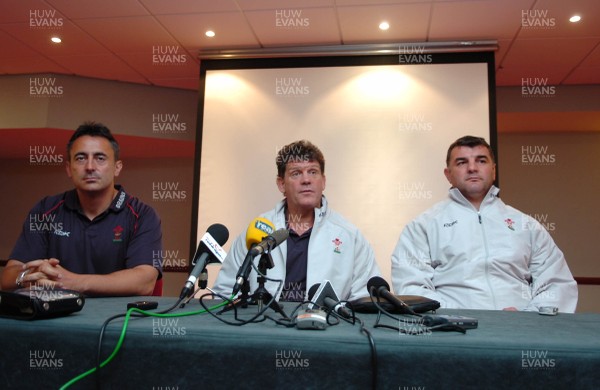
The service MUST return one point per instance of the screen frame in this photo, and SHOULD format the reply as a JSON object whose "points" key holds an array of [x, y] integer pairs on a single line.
{"points": [[486, 57]]}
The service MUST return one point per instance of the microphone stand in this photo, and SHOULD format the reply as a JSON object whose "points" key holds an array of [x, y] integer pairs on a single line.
{"points": [[242, 301], [262, 296], [244, 297]]}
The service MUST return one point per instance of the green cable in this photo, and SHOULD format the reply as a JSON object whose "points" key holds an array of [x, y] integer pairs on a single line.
{"points": [[122, 337]]}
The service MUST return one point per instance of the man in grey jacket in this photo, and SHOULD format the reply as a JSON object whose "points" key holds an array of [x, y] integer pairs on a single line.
{"points": [[473, 251], [322, 245]]}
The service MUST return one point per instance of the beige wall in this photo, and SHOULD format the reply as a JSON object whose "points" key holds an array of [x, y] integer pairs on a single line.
{"points": [[559, 193], [549, 167]]}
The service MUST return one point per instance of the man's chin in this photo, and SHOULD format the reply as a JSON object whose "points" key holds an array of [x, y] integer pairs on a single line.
{"points": [[308, 203], [475, 185], [476, 190], [91, 187]]}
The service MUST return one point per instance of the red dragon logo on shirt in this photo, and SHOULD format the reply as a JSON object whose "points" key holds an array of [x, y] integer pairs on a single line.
{"points": [[337, 242], [118, 234]]}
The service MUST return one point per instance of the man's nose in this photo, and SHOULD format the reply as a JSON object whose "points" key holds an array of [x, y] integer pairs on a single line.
{"points": [[306, 177], [90, 165]]}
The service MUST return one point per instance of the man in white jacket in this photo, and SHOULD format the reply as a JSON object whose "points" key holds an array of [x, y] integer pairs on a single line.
{"points": [[473, 251], [322, 245]]}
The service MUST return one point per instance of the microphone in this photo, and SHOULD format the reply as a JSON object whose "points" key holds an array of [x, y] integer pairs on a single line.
{"points": [[269, 242], [260, 237], [325, 296], [379, 288], [208, 249]]}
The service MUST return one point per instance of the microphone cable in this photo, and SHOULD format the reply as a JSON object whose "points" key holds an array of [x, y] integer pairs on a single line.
{"points": [[367, 333], [132, 312], [290, 323], [420, 329], [232, 304]]}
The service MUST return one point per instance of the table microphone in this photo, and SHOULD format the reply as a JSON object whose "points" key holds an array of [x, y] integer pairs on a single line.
{"points": [[327, 297], [379, 288]]}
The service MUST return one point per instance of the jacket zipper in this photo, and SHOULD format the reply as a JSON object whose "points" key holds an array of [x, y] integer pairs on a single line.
{"points": [[487, 262]]}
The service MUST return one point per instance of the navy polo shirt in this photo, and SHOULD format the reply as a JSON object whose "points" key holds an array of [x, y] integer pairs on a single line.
{"points": [[126, 235], [294, 288]]}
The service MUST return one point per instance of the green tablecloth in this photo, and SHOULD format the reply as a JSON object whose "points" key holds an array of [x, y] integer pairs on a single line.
{"points": [[509, 350]]}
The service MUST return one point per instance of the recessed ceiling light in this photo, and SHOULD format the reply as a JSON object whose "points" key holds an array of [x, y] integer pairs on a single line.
{"points": [[56, 39], [574, 18], [384, 26], [210, 33]]}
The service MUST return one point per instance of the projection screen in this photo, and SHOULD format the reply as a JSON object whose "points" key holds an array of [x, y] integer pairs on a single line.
{"points": [[384, 127]]}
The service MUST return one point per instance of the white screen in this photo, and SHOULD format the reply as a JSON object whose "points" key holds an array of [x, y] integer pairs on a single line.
{"points": [[384, 131]]}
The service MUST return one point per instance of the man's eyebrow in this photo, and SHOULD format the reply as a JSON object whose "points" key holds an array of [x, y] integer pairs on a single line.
{"points": [[302, 168], [95, 154], [478, 157]]}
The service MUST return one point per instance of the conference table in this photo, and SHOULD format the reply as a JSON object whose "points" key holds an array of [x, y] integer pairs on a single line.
{"points": [[508, 350]]}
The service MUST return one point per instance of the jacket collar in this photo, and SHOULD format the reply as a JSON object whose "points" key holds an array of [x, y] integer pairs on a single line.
{"points": [[458, 197], [320, 213]]}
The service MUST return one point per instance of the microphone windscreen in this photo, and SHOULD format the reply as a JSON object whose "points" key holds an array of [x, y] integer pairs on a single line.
{"points": [[219, 232], [377, 282], [313, 290], [258, 229], [280, 236]]}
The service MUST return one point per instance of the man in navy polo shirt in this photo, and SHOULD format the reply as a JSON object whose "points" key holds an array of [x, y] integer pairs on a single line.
{"points": [[96, 239]]}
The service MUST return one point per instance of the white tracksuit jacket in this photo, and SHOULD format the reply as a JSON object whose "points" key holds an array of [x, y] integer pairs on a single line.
{"points": [[337, 252], [491, 259]]}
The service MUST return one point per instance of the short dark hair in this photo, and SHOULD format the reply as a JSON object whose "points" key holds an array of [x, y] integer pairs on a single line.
{"points": [[93, 129], [299, 151], [471, 142]]}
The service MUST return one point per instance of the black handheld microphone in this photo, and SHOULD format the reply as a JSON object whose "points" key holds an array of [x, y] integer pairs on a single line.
{"points": [[379, 288], [266, 244], [208, 250], [326, 297]]}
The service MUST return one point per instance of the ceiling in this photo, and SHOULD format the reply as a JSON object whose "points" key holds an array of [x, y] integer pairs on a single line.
{"points": [[156, 42]]}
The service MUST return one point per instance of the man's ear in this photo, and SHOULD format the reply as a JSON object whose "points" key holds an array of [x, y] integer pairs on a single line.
{"points": [[118, 167], [68, 169], [280, 185], [447, 174]]}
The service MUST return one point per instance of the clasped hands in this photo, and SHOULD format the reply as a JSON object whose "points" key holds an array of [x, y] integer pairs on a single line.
{"points": [[46, 273]]}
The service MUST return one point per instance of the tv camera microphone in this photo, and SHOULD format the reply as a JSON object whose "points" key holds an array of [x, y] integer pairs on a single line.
{"points": [[260, 238], [325, 296], [378, 287], [208, 250]]}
